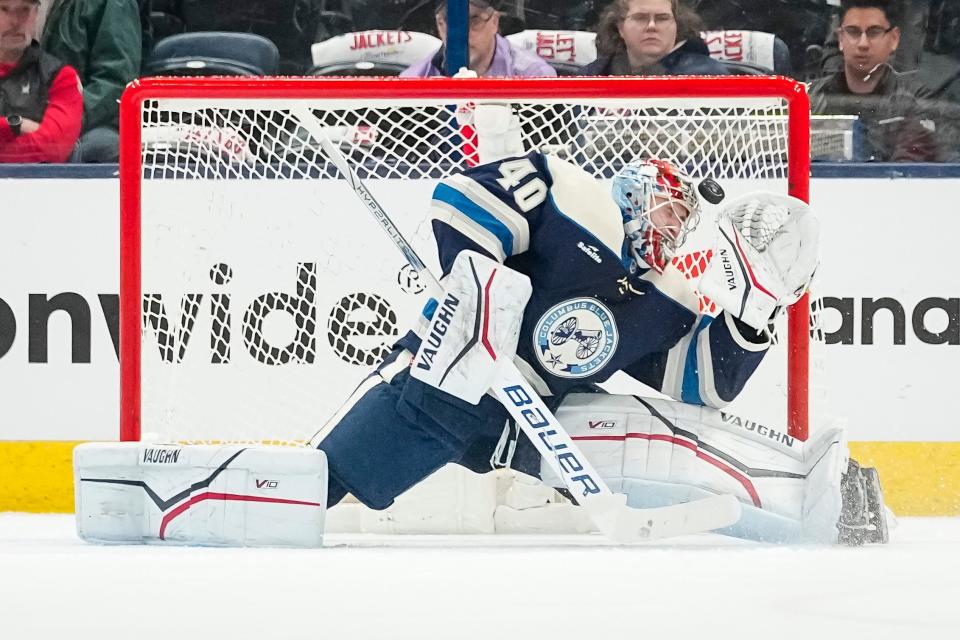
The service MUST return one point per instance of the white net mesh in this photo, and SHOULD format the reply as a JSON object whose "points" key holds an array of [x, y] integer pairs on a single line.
{"points": [[411, 140], [268, 292]]}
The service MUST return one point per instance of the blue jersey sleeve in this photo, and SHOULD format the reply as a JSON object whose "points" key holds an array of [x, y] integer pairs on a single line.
{"points": [[709, 366], [490, 208]]}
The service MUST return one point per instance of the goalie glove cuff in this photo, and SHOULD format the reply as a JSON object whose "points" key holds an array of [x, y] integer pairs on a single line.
{"points": [[741, 280]]}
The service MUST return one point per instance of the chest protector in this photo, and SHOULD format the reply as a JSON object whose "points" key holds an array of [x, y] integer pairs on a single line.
{"points": [[26, 90]]}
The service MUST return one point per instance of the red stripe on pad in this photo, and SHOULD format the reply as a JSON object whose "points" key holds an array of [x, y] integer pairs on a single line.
{"points": [[485, 337], [168, 518], [753, 278], [719, 464]]}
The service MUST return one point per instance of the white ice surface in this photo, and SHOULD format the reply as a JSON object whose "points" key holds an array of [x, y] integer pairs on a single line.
{"points": [[52, 585]]}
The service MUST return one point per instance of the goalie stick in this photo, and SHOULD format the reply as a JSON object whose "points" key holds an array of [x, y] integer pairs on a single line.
{"points": [[607, 510]]}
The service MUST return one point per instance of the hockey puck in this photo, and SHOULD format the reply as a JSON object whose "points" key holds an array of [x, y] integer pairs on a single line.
{"points": [[711, 190]]}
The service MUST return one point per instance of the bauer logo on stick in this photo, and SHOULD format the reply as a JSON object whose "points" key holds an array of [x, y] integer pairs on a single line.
{"points": [[552, 435]]}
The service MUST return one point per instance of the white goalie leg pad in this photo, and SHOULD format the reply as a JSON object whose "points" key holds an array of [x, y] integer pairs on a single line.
{"points": [[212, 495], [476, 323], [661, 452]]}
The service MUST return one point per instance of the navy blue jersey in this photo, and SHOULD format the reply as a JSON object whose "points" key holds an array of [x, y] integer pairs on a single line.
{"points": [[588, 316]]}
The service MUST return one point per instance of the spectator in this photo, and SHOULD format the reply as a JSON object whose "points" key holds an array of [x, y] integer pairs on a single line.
{"points": [[40, 100], [939, 76], [490, 53], [102, 40], [651, 37], [869, 88], [914, 17], [800, 24]]}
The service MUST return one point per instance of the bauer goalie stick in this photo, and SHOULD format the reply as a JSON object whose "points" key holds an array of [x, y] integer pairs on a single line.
{"points": [[607, 510]]}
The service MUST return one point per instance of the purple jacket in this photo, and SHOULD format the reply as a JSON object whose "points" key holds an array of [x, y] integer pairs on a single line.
{"points": [[508, 61]]}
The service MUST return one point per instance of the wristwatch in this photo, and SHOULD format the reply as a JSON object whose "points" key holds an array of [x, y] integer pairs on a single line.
{"points": [[14, 122]]}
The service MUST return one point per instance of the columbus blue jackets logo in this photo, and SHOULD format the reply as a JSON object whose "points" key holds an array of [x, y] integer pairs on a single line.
{"points": [[575, 338]]}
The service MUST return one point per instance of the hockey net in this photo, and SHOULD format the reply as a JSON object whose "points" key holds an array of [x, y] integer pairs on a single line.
{"points": [[256, 291]]}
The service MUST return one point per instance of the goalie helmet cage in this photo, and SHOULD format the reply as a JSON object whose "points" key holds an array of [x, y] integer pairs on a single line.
{"points": [[212, 168]]}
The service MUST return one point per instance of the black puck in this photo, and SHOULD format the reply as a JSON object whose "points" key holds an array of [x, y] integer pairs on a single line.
{"points": [[711, 190]]}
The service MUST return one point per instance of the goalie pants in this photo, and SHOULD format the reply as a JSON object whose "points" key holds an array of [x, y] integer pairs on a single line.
{"points": [[397, 431]]}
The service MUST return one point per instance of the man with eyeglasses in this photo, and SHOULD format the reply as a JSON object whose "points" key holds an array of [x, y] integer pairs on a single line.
{"points": [[490, 54], [868, 87]]}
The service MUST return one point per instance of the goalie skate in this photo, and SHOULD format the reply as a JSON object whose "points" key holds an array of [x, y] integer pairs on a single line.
{"points": [[863, 518]]}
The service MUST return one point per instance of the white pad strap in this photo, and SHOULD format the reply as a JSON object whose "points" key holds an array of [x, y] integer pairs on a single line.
{"points": [[229, 495], [669, 451], [476, 324]]}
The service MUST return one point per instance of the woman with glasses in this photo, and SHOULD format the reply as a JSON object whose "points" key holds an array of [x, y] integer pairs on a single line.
{"points": [[868, 87], [490, 54], [651, 37]]}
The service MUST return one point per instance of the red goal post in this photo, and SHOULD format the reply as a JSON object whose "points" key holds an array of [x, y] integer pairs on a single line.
{"points": [[198, 141]]}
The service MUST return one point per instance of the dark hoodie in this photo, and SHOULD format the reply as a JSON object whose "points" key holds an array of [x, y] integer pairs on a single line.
{"points": [[692, 58], [101, 40]]}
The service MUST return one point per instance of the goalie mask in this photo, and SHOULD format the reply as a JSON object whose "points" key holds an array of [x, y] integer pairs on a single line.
{"points": [[660, 208]]}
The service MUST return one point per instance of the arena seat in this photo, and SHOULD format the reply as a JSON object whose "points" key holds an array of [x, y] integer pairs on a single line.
{"points": [[213, 53], [566, 51], [749, 52]]}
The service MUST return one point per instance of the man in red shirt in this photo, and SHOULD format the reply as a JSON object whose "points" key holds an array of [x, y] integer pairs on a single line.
{"points": [[41, 103]]}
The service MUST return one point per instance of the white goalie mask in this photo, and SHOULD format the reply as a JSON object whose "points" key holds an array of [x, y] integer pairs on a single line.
{"points": [[660, 208]]}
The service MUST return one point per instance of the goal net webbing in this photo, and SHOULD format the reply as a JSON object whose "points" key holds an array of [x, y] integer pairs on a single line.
{"points": [[257, 292]]}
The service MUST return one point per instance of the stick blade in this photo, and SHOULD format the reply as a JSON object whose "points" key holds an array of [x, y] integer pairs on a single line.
{"points": [[697, 516]]}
